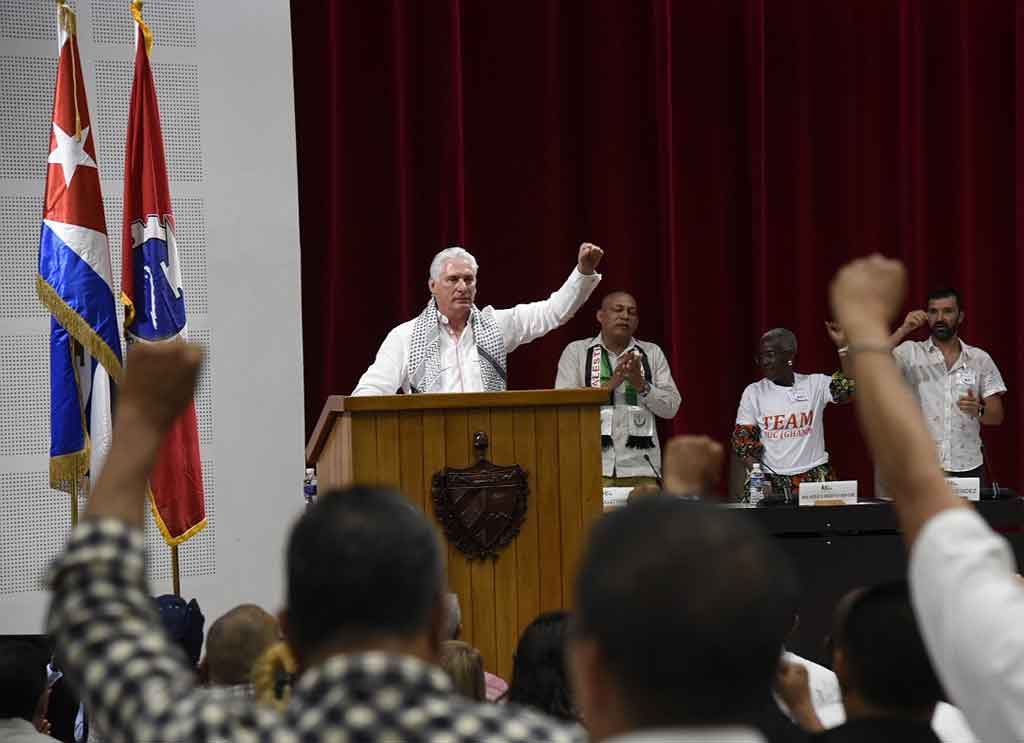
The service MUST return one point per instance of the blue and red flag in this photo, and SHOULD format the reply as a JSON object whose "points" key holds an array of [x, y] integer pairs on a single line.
{"points": [[75, 281], [152, 293]]}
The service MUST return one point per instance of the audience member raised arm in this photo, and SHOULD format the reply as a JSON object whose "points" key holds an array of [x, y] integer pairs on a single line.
{"points": [[866, 295], [966, 594]]}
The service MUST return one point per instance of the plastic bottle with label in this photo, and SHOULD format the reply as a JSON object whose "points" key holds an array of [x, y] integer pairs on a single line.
{"points": [[755, 488]]}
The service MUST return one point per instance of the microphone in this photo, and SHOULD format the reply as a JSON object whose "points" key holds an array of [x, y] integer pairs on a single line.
{"points": [[657, 475], [787, 490], [993, 485]]}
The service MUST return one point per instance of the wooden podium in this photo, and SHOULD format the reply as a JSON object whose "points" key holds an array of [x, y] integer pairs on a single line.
{"points": [[555, 435]]}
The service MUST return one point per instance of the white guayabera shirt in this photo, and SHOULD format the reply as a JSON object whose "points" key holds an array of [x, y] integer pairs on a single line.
{"points": [[460, 360], [957, 435]]}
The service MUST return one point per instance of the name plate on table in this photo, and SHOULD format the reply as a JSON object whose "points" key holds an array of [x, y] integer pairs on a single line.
{"points": [[966, 487], [836, 493], [615, 497]]}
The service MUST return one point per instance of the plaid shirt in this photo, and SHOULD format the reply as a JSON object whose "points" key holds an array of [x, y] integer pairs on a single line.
{"points": [[138, 686]]}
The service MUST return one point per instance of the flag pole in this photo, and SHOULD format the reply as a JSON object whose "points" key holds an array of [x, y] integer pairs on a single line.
{"points": [[74, 504], [175, 571]]}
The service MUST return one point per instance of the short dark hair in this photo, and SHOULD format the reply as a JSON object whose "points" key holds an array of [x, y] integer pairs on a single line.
{"points": [[362, 561], [689, 604], [539, 678], [885, 657], [22, 678], [942, 293]]}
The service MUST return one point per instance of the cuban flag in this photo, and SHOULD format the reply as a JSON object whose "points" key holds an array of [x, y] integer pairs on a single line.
{"points": [[152, 293], [75, 281]]}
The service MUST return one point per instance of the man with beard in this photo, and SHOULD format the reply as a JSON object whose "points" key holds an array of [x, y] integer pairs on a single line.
{"points": [[958, 385]]}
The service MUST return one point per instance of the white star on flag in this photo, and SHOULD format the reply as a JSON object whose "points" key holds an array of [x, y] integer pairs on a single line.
{"points": [[70, 153]]}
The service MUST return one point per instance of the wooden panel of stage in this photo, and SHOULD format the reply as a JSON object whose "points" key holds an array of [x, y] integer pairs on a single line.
{"points": [[401, 441]]}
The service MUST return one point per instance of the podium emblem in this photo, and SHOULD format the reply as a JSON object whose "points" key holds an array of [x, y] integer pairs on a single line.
{"points": [[481, 508]]}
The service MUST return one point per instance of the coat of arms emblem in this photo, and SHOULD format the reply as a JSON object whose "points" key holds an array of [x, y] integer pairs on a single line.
{"points": [[481, 508]]}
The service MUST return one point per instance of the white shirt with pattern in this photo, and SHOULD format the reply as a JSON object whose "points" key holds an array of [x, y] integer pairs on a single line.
{"points": [[662, 399], [460, 360], [957, 435]]}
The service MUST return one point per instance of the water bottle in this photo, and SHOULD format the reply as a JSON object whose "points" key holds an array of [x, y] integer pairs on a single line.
{"points": [[309, 486], [755, 488]]}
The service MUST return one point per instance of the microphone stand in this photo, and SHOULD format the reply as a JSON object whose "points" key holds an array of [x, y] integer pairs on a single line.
{"points": [[657, 475], [988, 473]]}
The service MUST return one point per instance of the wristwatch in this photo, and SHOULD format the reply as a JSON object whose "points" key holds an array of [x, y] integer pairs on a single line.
{"points": [[981, 409]]}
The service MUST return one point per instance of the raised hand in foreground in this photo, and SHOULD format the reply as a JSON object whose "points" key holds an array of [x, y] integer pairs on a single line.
{"points": [[866, 294], [159, 383], [692, 465]]}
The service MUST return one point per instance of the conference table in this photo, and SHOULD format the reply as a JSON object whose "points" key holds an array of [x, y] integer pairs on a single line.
{"points": [[837, 548]]}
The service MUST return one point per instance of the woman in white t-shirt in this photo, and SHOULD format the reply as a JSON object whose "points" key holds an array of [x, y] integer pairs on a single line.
{"points": [[779, 421]]}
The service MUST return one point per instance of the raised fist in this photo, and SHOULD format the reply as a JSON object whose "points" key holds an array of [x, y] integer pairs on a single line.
{"points": [[160, 379], [692, 464], [866, 294], [590, 256]]}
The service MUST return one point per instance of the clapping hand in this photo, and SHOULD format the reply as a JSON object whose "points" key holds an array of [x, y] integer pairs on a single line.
{"points": [[590, 256], [634, 371]]}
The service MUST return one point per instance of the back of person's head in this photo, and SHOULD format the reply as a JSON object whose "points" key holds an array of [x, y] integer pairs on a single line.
{"points": [[22, 678], [464, 665], [236, 641], [539, 674], [184, 622], [878, 652], [363, 563], [686, 606]]}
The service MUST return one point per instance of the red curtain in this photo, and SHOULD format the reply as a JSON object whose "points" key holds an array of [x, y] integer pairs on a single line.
{"points": [[728, 156]]}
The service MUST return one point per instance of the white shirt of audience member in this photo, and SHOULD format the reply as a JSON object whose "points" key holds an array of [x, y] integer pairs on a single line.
{"points": [[790, 421], [957, 435]]}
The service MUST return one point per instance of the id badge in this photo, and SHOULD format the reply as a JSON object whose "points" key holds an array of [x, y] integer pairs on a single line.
{"points": [[968, 377], [798, 395]]}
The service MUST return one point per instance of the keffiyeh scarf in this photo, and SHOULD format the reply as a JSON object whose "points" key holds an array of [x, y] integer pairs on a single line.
{"points": [[425, 350]]}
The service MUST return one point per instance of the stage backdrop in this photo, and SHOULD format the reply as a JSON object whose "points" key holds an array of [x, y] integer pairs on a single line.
{"points": [[728, 156]]}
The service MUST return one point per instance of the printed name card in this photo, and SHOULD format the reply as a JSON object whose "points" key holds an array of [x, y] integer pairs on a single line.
{"points": [[615, 497], [966, 487], [838, 493]]}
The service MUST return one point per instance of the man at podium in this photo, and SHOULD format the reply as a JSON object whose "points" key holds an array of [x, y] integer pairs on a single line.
{"points": [[453, 346], [640, 386]]}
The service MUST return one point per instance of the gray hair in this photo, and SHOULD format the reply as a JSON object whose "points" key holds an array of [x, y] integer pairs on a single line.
{"points": [[448, 254], [785, 338]]}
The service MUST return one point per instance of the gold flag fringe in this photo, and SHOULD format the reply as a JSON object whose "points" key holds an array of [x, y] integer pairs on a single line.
{"points": [[79, 329], [68, 470], [171, 540], [146, 33]]}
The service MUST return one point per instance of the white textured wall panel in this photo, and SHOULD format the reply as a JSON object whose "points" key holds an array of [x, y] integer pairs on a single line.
{"points": [[234, 195]]}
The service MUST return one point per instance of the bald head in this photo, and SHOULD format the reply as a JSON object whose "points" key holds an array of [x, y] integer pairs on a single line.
{"points": [[236, 641]]}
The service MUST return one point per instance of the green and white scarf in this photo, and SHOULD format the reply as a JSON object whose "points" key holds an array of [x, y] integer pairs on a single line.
{"points": [[640, 419]]}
